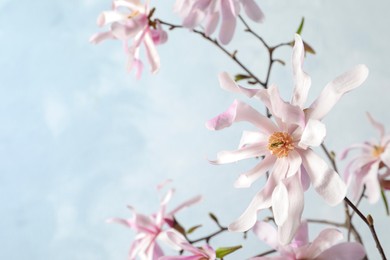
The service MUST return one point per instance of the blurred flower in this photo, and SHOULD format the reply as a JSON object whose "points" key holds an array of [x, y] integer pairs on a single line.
{"points": [[325, 246], [151, 228], [130, 22], [205, 252], [207, 12], [285, 146], [364, 168]]}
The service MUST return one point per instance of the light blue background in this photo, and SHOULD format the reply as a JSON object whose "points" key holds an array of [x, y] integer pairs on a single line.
{"points": [[81, 138]]}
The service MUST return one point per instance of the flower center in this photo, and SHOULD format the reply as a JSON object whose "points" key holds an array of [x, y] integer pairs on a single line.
{"points": [[133, 14], [378, 150], [280, 144]]}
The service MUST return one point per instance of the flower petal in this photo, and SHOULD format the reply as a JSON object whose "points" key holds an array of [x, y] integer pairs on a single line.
{"points": [[294, 161], [287, 230], [301, 238], [371, 181], [280, 204], [107, 17], [211, 23], [302, 81], [376, 124], [252, 10], [283, 110], [246, 152], [313, 134], [326, 181], [246, 179], [326, 239], [336, 89], [99, 37], [343, 251], [240, 111], [385, 156], [186, 204], [249, 137], [227, 83], [151, 53], [228, 22], [345, 152], [266, 233]]}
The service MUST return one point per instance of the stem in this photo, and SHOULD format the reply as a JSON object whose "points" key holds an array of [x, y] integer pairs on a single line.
{"points": [[216, 43], [269, 48], [266, 253], [207, 238]]}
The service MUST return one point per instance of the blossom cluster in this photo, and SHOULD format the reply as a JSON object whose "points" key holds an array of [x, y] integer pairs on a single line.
{"points": [[282, 142]]}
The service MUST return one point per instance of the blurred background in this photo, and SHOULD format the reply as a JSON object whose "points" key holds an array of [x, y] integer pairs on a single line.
{"points": [[81, 138]]}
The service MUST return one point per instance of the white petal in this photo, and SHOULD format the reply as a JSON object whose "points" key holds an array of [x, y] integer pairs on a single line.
{"points": [[295, 197], [249, 138], [246, 179], [326, 181], [240, 111], [313, 134], [335, 90], [280, 204], [266, 233], [302, 81], [227, 83], [246, 152], [326, 239]]}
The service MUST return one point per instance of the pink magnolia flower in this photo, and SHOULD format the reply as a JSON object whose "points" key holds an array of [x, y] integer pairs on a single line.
{"points": [[205, 252], [324, 247], [151, 228], [207, 12], [364, 168], [285, 145], [129, 22]]}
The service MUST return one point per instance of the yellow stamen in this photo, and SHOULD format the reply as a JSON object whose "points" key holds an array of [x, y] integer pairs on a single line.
{"points": [[280, 144], [378, 150]]}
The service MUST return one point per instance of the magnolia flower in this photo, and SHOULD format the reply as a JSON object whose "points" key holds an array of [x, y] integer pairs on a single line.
{"points": [[151, 228], [129, 22], [285, 145], [324, 247], [205, 252], [207, 12], [364, 168]]}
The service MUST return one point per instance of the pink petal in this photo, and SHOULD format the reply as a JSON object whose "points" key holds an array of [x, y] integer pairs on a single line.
{"points": [[326, 239], [326, 181], [240, 111], [295, 199], [336, 89], [186, 204], [305, 179], [246, 152], [371, 181], [193, 19], [344, 251], [252, 10], [294, 162], [211, 23], [280, 204], [131, 4], [313, 134], [228, 22], [99, 37], [261, 200], [151, 53], [246, 179], [345, 152], [107, 17], [249, 138], [179, 239], [385, 156], [377, 125], [302, 81], [121, 221], [227, 83], [266, 233], [301, 238], [283, 110]]}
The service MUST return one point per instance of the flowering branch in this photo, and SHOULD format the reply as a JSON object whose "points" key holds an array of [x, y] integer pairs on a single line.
{"points": [[368, 220]]}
